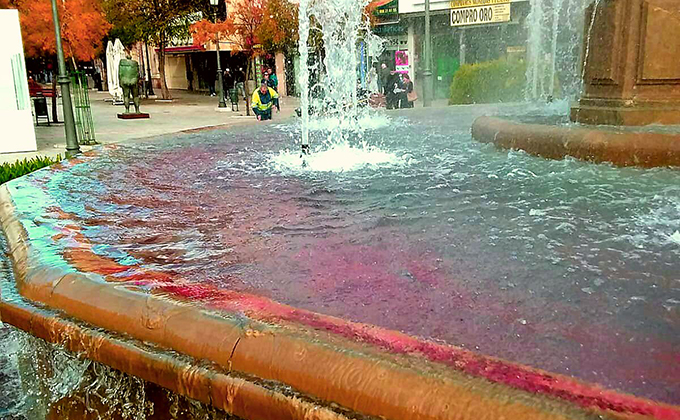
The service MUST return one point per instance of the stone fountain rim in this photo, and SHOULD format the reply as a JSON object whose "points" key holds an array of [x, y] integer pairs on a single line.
{"points": [[591, 144], [238, 395], [359, 376]]}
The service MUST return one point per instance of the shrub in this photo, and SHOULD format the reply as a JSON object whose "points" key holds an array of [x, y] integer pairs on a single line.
{"points": [[489, 82], [9, 171]]}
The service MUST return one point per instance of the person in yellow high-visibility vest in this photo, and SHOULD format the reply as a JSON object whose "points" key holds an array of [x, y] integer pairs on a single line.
{"points": [[263, 99]]}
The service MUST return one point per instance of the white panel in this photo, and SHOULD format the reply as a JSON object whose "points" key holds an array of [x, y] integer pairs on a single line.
{"points": [[418, 6], [15, 103]]}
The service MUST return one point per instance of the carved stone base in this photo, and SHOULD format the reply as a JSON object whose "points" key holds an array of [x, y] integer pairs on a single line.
{"points": [[133, 116], [631, 73], [608, 112]]}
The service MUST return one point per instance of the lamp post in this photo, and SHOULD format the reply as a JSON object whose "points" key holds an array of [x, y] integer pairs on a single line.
{"points": [[427, 73], [72, 147], [220, 85]]}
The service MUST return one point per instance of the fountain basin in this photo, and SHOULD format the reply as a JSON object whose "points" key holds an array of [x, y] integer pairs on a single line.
{"points": [[598, 145], [335, 368], [357, 282], [245, 349]]}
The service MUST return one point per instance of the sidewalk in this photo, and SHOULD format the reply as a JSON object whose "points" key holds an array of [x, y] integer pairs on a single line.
{"points": [[187, 111]]}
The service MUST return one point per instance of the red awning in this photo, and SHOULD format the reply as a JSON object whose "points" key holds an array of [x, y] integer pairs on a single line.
{"points": [[378, 3], [183, 49]]}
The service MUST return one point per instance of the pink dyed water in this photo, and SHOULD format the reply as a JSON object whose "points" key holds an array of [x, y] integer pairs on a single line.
{"points": [[559, 265]]}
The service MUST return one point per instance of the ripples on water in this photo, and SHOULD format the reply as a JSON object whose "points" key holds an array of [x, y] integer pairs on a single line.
{"points": [[411, 225]]}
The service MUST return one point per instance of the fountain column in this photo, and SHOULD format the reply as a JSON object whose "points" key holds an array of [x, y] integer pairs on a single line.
{"points": [[631, 71]]}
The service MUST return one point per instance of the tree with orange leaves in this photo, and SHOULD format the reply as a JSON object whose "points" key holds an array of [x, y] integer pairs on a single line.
{"points": [[279, 28], [83, 27]]}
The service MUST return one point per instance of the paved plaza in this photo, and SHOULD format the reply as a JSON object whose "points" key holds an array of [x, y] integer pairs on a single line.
{"points": [[187, 111]]}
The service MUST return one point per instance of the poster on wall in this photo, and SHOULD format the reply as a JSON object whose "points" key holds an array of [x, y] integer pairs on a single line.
{"points": [[16, 116], [401, 61]]}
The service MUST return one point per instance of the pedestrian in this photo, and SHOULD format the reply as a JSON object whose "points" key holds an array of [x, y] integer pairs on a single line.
{"points": [[190, 79], [263, 99], [240, 79], [409, 95], [228, 80], [273, 80], [394, 89], [209, 76], [372, 81], [385, 77], [97, 78]]}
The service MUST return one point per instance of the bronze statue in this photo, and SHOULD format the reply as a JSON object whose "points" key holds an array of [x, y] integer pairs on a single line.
{"points": [[128, 75]]}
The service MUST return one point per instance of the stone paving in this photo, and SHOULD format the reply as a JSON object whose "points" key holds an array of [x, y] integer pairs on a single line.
{"points": [[187, 111]]}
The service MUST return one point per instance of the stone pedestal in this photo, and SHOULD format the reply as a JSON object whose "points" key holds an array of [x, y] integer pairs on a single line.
{"points": [[632, 64], [133, 116]]}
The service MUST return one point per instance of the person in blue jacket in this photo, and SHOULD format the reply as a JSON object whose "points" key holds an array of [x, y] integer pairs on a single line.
{"points": [[263, 99]]}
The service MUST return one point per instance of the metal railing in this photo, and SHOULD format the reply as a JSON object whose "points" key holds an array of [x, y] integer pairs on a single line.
{"points": [[83, 111]]}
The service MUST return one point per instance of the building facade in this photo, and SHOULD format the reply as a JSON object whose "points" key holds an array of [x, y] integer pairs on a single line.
{"points": [[462, 31], [194, 67]]}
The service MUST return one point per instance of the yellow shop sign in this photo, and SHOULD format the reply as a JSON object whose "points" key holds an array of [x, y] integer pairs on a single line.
{"points": [[479, 15]]}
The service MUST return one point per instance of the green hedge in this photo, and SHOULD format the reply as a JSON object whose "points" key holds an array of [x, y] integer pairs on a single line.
{"points": [[9, 171], [489, 82]]}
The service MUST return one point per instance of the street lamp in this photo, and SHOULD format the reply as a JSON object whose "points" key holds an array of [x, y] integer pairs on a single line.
{"points": [[428, 92], [72, 147], [220, 86]]}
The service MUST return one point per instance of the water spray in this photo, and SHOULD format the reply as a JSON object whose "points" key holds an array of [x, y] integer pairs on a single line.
{"points": [[344, 28], [303, 47]]}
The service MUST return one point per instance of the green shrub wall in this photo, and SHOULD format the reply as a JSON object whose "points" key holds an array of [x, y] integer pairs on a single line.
{"points": [[489, 82]]}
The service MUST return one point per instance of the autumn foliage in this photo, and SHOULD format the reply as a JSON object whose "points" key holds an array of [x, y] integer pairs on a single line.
{"points": [[279, 27], [205, 31], [253, 26], [83, 26]]}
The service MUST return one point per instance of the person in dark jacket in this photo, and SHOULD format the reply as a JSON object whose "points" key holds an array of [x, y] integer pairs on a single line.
{"points": [[393, 90], [210, 76], [384, 78], [407, 85], [273, 80], [228, 80], [240, 80]]}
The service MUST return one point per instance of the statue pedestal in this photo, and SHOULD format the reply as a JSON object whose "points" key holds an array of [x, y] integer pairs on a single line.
{"points": [[632, 75], [139, 116]]}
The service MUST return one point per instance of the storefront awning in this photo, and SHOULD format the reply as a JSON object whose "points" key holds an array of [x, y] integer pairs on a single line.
{"points": [[183, 49]]}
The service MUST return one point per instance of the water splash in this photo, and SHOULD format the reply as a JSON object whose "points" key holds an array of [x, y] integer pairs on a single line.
{"points": [[675, 237], [304, 69], [332, 95], [554, 48], [596, 6], [366, 121], [337, 158], [57, 384]]}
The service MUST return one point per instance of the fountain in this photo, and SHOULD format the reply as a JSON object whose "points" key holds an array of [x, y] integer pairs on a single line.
{"points": [[628, 80], [555, 32], [438, 279], [332, 92]]}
